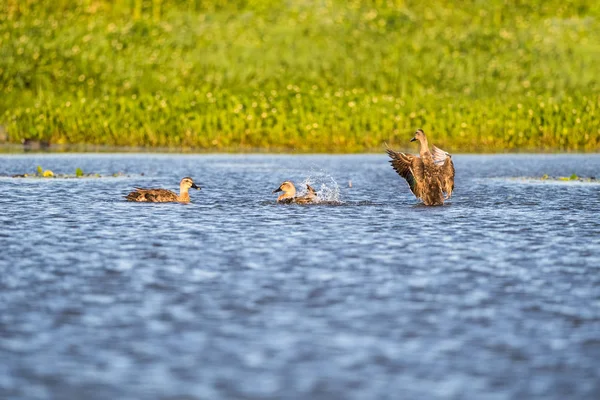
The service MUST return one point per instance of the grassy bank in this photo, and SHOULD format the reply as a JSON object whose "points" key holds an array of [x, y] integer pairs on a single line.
{"points": [[311, 75]]}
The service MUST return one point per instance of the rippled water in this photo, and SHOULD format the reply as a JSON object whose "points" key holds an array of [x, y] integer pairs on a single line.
{"points": [[495, 295]]}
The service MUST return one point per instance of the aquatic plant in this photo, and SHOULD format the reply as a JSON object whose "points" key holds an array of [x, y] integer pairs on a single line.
{"points": [[340, 76], [573, 177], [41, 173], [44, 173]]}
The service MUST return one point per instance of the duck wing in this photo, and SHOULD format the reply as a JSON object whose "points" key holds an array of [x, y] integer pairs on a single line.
{"points": [[303, 200], [439, 155], [309, 197], [444, 160], [311, 193], [152, 195], [409, 167], [448, 177], [161, 195]]}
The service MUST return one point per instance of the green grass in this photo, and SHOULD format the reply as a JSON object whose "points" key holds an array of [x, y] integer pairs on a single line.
{"points": [[312, 75]]}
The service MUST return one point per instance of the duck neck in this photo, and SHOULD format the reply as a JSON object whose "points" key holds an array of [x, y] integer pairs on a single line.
{"points": [[424, 147], [287, 195], [184, 195]]}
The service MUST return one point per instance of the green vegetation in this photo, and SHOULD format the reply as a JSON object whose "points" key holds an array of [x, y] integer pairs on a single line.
{"points": [[573, 177], [546, 177], [42, 173], [312, 75]]}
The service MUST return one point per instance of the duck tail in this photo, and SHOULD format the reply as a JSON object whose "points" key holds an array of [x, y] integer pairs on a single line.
{"points": [[133, 196]]}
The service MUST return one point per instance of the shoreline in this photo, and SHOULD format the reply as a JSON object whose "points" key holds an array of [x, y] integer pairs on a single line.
{"points": [[10, 149]]}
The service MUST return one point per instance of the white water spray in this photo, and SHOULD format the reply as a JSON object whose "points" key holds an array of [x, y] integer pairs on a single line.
{"points": [[328, 190]]}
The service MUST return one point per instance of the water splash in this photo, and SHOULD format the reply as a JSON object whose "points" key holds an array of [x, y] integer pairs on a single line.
{"points": [[328, 190]]}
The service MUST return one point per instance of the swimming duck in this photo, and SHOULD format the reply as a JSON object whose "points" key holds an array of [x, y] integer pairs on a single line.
{"points": [[289, 194], [164, 195], [429, 175]]}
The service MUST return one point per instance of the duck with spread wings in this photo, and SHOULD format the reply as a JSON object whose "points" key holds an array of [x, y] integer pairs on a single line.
{"points": [[430, 175]]}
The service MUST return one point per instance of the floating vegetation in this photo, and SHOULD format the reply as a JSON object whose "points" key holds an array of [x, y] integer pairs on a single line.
{"points": [[548, 178], [42, 173], [324, 76], [573, 177]]}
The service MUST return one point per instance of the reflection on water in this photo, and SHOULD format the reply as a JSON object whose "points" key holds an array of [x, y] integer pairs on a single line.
{"points": [[495, 295]]}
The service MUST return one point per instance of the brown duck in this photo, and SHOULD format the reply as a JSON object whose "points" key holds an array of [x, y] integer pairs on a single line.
{"points": [[164, 195], [429, 175], [289, 194]]}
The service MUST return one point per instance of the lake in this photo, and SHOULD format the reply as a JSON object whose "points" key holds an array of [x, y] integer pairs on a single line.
{"points": [[495, 295]]}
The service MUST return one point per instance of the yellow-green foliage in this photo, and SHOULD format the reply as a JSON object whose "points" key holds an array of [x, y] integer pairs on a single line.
{"points": [[312, 75], [44, 173]]}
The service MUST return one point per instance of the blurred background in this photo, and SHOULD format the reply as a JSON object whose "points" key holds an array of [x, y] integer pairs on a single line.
{"points": [[302, 76]]}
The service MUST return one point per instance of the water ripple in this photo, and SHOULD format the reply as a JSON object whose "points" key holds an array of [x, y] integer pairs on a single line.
{"points": [[496, 295]]}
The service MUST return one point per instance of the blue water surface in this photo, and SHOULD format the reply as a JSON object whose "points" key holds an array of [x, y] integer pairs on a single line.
{"points": [[495, 295]]}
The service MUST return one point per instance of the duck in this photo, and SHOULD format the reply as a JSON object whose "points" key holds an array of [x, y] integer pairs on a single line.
{"points": [[164, 195], [430, 175], [289, 194]]}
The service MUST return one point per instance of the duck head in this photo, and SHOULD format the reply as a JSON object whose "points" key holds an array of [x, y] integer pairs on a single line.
{"points": [[419, 135], [288, 189], [187, 183]]}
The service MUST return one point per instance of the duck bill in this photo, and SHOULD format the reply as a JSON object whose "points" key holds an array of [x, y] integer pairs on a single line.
{"points": [[413, 139], [277, 190], [194, 186]]}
